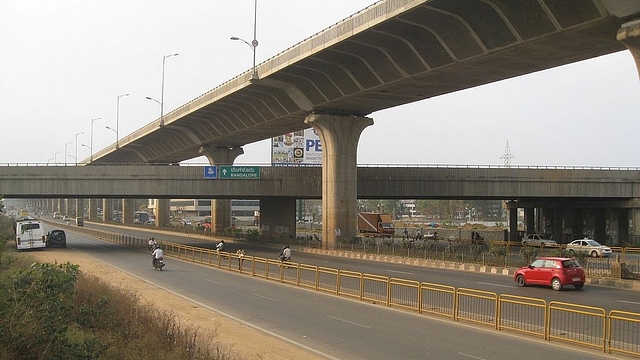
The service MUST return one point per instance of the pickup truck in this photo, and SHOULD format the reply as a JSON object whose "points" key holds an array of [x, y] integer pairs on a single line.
{"points": [[537, 240]]}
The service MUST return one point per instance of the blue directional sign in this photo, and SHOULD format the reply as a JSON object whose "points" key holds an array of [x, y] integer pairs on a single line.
{"points": [[239, 172], [211, 172]]}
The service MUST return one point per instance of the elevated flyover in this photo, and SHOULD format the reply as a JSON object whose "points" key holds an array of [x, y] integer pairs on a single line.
{"points": [[393, 52], [389, 54], [568, 196], [150, 181]]}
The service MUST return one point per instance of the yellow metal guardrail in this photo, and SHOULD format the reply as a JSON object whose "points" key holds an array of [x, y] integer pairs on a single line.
{"points": [[563, 318], [623, 330], [618, 331]]}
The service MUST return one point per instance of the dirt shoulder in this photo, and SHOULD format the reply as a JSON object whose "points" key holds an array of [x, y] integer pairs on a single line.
{"points": [[243, 341]]}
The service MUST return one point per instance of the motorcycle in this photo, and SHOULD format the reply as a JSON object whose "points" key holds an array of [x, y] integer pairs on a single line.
{"points": [[158, 264]]}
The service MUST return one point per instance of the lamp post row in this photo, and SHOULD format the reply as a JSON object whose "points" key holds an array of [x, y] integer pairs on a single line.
{"points": [[254, 77]]}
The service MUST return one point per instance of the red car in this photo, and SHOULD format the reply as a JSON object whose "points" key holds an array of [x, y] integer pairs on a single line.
{"points": [[551, 271]]}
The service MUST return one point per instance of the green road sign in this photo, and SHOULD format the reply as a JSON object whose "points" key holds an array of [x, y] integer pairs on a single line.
{"points": [[239, 172]]}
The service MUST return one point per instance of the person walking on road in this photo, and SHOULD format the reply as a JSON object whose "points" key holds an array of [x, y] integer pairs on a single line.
{"points": [[240, 254]]}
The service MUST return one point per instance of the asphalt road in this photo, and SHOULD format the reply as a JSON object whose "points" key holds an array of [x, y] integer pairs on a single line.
{"points": [[340, 328]]}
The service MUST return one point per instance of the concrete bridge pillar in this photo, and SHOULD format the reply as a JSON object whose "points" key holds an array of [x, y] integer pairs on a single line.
{"points": [[61, 207], [635, 221], [339, 136], [79, 208], [107, 210], [221, 209], [513, 224], [93, 208], [629, 35], [529, 220], [67, 207], [127, 211], [278, 218], [163, 212]]}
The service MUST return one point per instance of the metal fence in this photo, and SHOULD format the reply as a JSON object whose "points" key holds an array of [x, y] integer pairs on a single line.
{"points": [[618, 331]]}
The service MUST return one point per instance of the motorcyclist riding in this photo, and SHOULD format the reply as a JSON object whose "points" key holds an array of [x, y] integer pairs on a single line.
{"points": [[156, 255], [220, 246]]}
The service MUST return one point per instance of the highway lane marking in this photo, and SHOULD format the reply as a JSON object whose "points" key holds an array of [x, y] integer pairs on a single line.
{"points": [[211, 281], [471, 356], [400, 272], [492, 284], [348, 322], [629, 302], [264, 297]]}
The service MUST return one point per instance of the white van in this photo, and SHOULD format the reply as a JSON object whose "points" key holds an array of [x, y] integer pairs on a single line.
{"points": [[30, 234]]}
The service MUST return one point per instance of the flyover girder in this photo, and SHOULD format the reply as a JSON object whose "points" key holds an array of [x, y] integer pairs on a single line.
{"points": [[392, 53]]}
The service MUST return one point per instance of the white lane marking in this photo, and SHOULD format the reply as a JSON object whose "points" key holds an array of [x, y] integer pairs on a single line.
{"points": [[492, 284], [400, 272], [629, 302], [471, 356], [264, 297], [348, 322], [211, 281]]}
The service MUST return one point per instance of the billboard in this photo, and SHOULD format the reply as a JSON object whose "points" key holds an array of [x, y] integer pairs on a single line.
{"points": [[297, 148]]}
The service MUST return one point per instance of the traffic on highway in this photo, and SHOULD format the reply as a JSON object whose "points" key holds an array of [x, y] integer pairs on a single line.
{"points": [[231, 300]]}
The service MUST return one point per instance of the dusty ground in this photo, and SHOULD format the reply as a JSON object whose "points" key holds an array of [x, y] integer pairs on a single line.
{"points": [[243, 341]]}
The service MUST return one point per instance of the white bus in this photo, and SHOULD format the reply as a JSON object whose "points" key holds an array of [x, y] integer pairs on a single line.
{"points": [[30, 234]]}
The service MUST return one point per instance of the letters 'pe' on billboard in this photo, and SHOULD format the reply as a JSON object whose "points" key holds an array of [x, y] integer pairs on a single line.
{"points": [[297, 148]]}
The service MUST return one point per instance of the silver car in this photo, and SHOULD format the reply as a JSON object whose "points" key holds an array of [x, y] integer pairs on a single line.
{"points": [[589, 246]]}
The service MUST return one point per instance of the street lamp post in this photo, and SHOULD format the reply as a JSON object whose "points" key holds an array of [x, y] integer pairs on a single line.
{"points": [[118, 118], [65, 152], [56, 156], [92, 121], [254, 43], [114, 130], [88, 147], [164, 59], [80, 133]]}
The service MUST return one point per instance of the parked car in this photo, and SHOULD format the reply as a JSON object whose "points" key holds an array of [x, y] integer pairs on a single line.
{"points": [[589, 246], [551, 271], [56, 238], [538, 240]]}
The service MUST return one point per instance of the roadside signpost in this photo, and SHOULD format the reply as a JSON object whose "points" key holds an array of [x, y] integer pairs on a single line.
{"points": [[239, 172], [211, 172]]}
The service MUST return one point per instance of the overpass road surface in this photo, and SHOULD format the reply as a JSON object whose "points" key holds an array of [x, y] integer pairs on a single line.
{"points": [[608, 298], [330, 326]]}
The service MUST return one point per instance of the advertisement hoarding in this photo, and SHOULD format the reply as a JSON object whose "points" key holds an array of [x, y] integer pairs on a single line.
{"points": [[301, 148]]}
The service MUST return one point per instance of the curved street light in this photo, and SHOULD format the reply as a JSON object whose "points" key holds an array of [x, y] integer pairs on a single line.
{"points": [[56, 156], [76, 157], [118, 118], [92, 121], [254, 43], [114, 130], [164, 59], [65, 152]]}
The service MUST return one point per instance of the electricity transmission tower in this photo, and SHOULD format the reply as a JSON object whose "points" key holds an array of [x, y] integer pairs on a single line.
{"points": [[507, 156]]}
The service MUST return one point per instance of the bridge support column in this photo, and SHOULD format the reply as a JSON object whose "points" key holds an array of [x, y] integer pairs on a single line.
{"points": [[107, 210], [529, 220], [600, 233], [221, 209], [635, 220], [163, 212], [629, 35], [127, 211], [93, 208], [278, 218], [513, 224], [339, 136], [61, 207], [67, 207], [623, 227], [79, 208]]}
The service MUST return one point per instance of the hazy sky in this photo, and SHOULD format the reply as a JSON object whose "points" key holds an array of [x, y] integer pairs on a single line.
{"points": [[63, 63]]}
